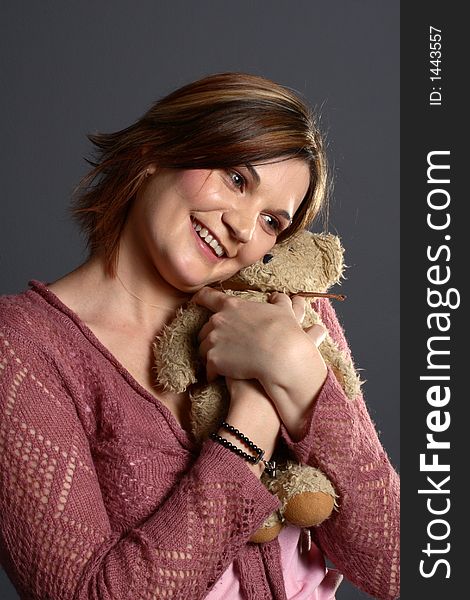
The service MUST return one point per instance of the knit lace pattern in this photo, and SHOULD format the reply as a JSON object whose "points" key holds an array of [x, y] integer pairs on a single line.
{"points": [[104, 496]]}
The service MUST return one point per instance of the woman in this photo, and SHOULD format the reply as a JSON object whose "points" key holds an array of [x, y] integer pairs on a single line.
{"points": [[103, 493]]}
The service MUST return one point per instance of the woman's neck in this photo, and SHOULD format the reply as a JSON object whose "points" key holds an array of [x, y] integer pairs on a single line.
{"points": [[134, 298]]}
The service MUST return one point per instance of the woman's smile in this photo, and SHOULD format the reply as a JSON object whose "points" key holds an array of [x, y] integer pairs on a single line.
{"points": [[208, 242]]}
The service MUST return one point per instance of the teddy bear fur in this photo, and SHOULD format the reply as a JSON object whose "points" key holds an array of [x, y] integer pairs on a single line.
{"points": [[305, 262]]}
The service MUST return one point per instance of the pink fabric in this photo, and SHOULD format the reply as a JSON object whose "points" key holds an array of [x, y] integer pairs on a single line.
{"points": [[104, 496], [305, 575]]}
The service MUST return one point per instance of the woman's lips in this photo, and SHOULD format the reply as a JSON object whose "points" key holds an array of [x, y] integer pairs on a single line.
{"points": [[205, 249], [209, 237]]}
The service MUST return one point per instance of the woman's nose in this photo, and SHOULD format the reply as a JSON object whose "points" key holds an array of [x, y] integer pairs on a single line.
{"points": [[241, 224]]}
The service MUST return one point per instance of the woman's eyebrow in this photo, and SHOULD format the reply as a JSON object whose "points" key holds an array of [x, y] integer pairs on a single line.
{"points": [[284, 214], [279, 213], [253, 173]]}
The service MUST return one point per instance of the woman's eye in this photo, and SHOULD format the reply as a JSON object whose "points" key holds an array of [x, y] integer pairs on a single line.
{"points": [[237, 180], [272, 223]]}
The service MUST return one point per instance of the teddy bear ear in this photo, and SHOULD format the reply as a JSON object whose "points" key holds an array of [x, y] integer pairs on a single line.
{"points": [[332, 256], [301, 263], [318, 256]]}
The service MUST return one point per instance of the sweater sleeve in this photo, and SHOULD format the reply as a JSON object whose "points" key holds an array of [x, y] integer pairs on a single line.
{"points": [[56, 540], [362, 538]]}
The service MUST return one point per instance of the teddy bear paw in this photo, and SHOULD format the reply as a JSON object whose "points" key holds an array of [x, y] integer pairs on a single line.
{"points": [[309, 509], [268, 531]]}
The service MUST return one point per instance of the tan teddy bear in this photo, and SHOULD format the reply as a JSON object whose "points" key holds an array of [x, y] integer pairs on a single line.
{"points": [[306, 262]]}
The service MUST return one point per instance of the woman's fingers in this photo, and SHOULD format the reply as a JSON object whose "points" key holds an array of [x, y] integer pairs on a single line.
{"points": [[316, 333], [210, 298], [239, 339], [205, 330], [205, 352], [279, 298], [298, 306]]}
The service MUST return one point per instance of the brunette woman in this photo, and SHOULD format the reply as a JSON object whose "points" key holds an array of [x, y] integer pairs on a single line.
{"points": [[103, 492]]}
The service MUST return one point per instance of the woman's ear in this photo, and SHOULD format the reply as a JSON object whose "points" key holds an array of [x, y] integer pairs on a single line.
{"points": [[151, 170]]}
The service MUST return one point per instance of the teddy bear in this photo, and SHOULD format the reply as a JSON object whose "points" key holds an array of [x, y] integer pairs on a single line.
{"points": [[304, 264]]}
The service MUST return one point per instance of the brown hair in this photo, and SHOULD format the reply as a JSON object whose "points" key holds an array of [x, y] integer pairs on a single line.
{"points": [[224, 120]]}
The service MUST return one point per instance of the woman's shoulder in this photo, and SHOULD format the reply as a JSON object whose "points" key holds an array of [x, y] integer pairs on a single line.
{"points": [[39, 363], [37, 324], [40, 341], [46, 334], [29, 316]]}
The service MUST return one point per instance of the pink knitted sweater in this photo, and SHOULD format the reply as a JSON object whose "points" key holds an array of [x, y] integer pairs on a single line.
{"points": [[104, 496]]}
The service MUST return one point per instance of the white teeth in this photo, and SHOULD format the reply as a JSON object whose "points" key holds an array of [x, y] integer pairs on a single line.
{"points": [[208, 238]]}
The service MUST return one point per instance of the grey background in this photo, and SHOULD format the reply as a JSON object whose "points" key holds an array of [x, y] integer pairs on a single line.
{"points": [[73, 68]]}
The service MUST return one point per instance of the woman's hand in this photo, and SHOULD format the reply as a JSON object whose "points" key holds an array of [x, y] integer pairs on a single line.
{"points": [[252, 340]]}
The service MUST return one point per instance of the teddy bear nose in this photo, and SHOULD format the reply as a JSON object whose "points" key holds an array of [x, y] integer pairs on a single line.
{"points": [[267, 258]]}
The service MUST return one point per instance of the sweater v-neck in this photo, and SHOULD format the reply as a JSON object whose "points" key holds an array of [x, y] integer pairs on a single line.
{"points": [[54, 301]]}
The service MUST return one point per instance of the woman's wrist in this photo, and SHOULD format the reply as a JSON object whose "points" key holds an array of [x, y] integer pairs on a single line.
{"points": [[253, 414], [262, 434], [256, 467]]}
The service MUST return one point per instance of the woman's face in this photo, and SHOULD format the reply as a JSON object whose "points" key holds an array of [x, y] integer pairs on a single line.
{"points": [[200, 226]]}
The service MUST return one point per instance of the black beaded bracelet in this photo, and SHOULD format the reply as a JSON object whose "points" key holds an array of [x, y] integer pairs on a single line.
{"points": [[270, 466], [254, 460], [243, 438]]}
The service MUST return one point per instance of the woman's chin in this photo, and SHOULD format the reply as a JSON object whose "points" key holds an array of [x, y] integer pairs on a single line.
{"points": [[188, 283], [189, 278], [193, 286]]}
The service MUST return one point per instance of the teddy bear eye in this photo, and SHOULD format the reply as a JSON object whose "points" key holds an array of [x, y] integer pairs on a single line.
{"points": [[267, 258]]}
